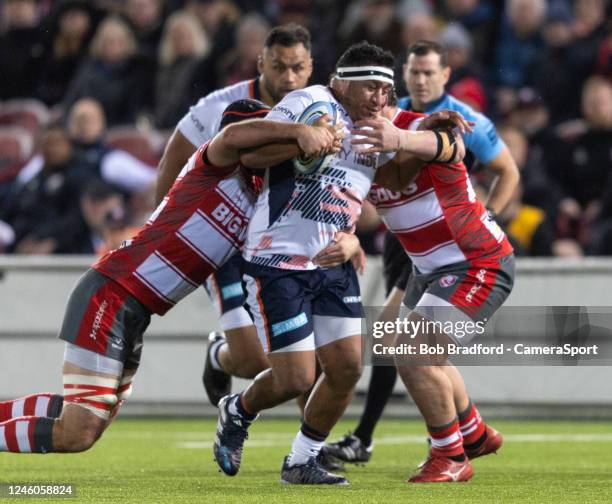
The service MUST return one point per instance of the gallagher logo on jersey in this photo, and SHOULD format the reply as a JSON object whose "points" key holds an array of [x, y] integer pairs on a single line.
{"points": [[447, 280]]}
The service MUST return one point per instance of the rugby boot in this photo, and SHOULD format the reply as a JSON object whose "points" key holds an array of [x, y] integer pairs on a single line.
{"points": [[230, 437], [329, 462], [310, 473], [443, 470], [216, 383], [350, 449], [492, 442]]}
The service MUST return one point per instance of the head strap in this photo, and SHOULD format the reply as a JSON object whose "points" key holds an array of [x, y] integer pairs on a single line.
{"points": [[360, 73]]}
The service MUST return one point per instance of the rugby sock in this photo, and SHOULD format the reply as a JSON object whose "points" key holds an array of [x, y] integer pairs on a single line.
{"points": [[27, 434], [472, 427], [236, 407], [382, 381], [307, 444], [214, 354], [446, 441], [40, 405]]}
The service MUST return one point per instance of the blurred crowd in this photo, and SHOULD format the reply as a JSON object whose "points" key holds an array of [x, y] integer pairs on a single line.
{"points": [[90, 91]]}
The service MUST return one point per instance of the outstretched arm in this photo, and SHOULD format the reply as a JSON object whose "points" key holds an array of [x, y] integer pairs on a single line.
{"points": [[226, 147], [441, 145], [177, 152], [508, 176], [273, 154]]}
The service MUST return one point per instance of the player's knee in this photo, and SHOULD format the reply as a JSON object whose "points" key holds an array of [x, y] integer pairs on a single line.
{"points": [[296, 383], [344, 374], [420, 376], [253, 367]]}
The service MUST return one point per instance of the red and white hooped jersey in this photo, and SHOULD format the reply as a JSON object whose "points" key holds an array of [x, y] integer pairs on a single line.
{"points": [[200, 224], [438, 218]]}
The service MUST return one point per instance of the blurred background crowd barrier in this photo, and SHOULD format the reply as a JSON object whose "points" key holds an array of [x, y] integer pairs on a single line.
{"points": [[34, 290]]}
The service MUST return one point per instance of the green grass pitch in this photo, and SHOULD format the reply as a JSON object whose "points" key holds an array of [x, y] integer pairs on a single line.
{"points": [[168, 461]]}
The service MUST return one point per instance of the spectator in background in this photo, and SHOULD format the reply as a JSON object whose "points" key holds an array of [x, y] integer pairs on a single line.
{"points": [[101, 220], [480, 18], [37, 209], [184, 44], [529, 228], [146, 21], [240, 63], [604, 56], [550, 74], [418, 24], [589, 32], [111, 75], [580, 161], [219, 19], [530, 116], [71, 28], [87, 128], [21, 48], [375, 22], [518, 46], [465, 82]]}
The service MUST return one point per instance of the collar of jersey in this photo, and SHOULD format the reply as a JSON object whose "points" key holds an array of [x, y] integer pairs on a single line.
{"points": [[256, 93]]}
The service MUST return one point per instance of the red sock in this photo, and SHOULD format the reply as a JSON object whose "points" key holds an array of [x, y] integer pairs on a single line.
{"points": [[471, 425], [446, 441], [40, 405], [27, 434]]}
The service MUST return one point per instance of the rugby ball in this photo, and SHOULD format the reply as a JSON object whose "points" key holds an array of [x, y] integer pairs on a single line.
{"points": [[309, 164]]}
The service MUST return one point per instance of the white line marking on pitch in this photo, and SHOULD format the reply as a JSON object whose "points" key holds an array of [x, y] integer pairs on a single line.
{"points": [[282, 439]]}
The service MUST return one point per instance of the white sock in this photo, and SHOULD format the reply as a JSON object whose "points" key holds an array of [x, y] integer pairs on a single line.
{"points": [[303, 448], [214, 352]]}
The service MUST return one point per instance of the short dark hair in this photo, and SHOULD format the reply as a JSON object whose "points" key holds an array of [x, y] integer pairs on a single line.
{"points": [[288, 35], [424, 47], [364, 53]]}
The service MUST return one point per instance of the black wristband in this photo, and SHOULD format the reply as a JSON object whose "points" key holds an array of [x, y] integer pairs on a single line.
{"points": [[492, 213]]}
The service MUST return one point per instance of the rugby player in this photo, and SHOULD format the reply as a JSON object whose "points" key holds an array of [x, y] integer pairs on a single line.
{"points": [[303, 313], [462, 263], [285, 65], [200, 224], [426, 73]]}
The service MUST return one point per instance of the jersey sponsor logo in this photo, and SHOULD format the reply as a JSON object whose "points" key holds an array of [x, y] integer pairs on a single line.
{"points": [[117, 343], [289, 325], [98, 320], [380, 194], [229, 220], [232, 290], [367, 160], [448, 280], [285, 111], [197, 123], [493, 227], [351, 299], [481, 277]]}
